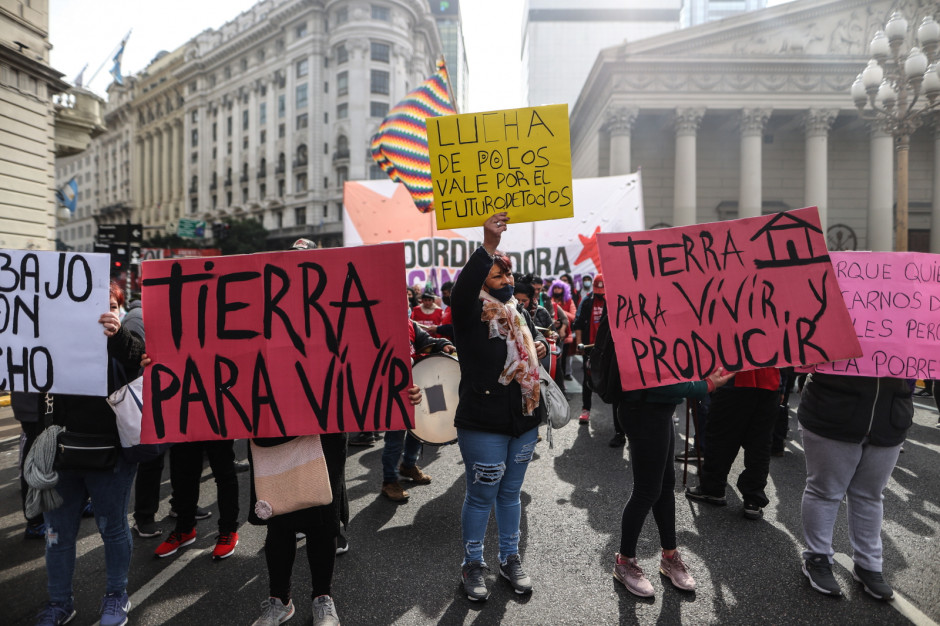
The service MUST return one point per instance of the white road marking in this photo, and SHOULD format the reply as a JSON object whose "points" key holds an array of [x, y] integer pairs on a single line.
{"points": [[899, 603]]}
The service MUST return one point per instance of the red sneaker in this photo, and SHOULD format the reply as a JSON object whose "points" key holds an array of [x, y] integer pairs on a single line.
{"points": [[585, 416], [174, 542], [225, 545]]}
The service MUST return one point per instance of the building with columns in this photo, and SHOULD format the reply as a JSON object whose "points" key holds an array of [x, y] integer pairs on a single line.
{"points": [[157, 155], [280, 104], [752, 114]]}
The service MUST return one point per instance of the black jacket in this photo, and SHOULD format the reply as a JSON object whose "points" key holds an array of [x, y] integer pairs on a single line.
{"points": [[93, 414], [847, 408], [484, 403]]}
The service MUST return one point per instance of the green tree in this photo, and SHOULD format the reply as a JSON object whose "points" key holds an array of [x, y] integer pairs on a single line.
{"points": [[173, 241], [243, 237]]}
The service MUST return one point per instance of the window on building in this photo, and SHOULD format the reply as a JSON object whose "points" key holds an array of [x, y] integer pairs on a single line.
{"points": [[341, 16], [342, 174], [194, 158], [380, 13], [215, 131], [326, 117], [281, 105], [301, 121], [193, 205], [301, 96], [326, 211], [263, 168], [342, 83], [302, 67], [243, 64], [215, 201], [342, 111], [215, 152], [195, 138], [244, 143], [244, 195], [302, 154], [326, 148], [279, 46], [244, 120], [212, 80], [264, 137], [300, 216], [194, 116], [228, 125], [301, 30], [280, 194], [260, 55], [227, 73], [326, 182], [380, 52], [262, 190], [379, 81], [342, 54], [228, 148], [228, 198], [378, 109], [193, 87], [326, 86], [376, 173], [263, 113], [280, 131]]}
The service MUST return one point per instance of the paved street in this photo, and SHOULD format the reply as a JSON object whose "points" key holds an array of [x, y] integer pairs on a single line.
{"points": [[404, 559]]}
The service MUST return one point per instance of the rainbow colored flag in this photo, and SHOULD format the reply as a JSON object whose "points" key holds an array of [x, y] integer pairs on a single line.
{"points": [[400, 146]]}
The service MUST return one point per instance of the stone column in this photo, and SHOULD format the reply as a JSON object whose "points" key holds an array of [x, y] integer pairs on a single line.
{"points": [[165, 172], [750, 193], [138, 179], [148, 172], [685, 182], [817, 123], [881, 190], [620, 124], [935, 212], [182, 184]]}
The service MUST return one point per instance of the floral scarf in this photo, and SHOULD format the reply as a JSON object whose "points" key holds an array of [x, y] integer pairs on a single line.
{"points": [[522, 364]]}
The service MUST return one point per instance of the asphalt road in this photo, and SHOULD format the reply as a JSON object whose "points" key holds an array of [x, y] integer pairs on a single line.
{"points": [[404, 559]]}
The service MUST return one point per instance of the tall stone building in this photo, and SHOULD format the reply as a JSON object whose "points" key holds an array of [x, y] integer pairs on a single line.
{"points": [[29, 134], [281, 102], [753, 114]]}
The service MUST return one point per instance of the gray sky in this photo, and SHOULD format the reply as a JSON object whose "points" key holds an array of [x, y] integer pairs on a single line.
{"points": [[88, 31]]}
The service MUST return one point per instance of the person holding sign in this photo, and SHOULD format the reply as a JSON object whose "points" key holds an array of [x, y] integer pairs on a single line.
{"points": [[853, 428], [107, 477], [646, 418], [497, 418]]}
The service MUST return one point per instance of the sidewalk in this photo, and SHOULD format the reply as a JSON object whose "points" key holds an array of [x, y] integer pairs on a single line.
{"points": [[9, 427]]}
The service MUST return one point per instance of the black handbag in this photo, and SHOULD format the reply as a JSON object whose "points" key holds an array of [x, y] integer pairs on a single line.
{"points": [[85, 451]]}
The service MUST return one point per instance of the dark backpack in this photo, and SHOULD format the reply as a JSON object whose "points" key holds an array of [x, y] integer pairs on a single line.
{"points": [[605, 374]]}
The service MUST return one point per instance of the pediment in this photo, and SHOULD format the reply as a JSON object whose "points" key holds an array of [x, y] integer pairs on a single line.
{"points": [[804, 28]]}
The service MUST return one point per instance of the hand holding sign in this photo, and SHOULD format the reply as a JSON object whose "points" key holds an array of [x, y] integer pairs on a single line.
{"points": [[493, 229], [718, 378]]}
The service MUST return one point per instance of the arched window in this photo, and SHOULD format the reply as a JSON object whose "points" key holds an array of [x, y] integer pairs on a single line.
{"points": [[302, 154]]}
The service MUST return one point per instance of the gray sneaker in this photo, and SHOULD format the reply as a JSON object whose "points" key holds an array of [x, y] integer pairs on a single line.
{"points": [[324, 613], [628, 571], [512, 571], [275, 612], [874, 583], [818, 570], [473, 581]]}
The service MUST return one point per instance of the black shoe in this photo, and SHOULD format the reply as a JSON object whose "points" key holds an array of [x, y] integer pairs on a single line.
{"points": [[696, 493], [873, 582], [569, 377], [752, 511], [147, 529], [201, 513], [693, 455], [241, 466], [619, 440], [818, 570], [362, 439]]}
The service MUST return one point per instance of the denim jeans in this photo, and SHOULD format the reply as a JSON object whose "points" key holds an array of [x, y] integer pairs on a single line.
{"points": [[110, 494], [395, 440], [496, 466]]}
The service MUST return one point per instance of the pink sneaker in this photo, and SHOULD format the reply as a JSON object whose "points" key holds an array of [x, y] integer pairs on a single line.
{"points": [[585, 416], [628, 572], [677, 572]]}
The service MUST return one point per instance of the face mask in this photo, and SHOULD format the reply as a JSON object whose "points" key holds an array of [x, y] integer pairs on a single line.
{"points": [[503, 294], [587, 284]]}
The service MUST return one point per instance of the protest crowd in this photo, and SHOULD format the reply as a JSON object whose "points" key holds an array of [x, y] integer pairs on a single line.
{"points": [[505, 332]]}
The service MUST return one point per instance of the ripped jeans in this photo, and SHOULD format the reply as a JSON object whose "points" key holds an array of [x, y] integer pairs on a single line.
{"points": [[496, 466], [110, 493]]}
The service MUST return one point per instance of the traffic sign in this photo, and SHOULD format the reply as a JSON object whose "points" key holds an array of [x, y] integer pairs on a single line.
{"points": [[191, 228], [122, 233]]}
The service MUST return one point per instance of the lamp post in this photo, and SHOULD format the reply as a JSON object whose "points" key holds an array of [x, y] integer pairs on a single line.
{"points": [[888, 91]]}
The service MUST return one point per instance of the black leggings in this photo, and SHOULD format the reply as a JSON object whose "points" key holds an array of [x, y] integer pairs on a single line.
{"points": [[652, 437], [280, 548]]}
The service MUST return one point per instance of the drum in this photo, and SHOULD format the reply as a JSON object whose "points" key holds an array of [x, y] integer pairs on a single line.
{"points": [[438, 375]]}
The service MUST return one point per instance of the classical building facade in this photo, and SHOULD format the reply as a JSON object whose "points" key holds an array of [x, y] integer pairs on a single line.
{"points": [[752, 114], [280, 104], [28, 131]]}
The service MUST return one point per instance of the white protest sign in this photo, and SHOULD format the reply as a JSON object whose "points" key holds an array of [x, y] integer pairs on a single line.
{"points": [[50, 338]]}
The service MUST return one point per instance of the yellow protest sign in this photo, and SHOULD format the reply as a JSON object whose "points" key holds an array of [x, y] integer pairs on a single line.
{"points": [[517, 160]]}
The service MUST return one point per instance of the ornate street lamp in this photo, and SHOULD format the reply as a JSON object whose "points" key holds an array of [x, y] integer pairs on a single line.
{"points": [[889, 90]]}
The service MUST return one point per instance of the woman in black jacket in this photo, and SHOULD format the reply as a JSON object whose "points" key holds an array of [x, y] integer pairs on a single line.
{"points": [[853, 428], [496, 419]]}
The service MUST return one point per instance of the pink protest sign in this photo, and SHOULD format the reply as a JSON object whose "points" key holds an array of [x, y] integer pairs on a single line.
{"points": [[893, 299], [742, 294], [283, 343]]}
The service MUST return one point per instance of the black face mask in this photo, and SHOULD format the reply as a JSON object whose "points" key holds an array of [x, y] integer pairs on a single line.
{"points": [[503, 294]]}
